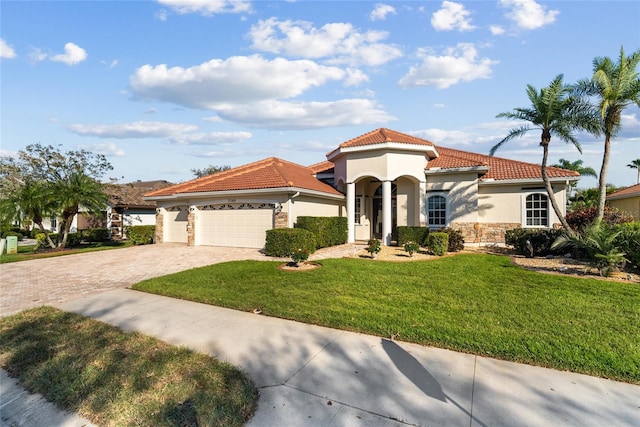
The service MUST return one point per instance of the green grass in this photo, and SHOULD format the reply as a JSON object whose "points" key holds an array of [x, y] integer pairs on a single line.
{"points": [[480, 304], [28, 252], [121, 379]]}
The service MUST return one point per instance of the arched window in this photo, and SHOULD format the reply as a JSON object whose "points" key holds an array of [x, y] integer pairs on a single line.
{"points": [[536, 210], [436, 211]]}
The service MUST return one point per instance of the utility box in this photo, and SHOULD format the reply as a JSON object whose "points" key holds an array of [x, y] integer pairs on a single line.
{"points": [[12, 244]]}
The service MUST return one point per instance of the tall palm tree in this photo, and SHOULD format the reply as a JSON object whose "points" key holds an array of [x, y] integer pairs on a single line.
{"points": [[615, 85], [554, 111], [635, 164], [577, 167]]}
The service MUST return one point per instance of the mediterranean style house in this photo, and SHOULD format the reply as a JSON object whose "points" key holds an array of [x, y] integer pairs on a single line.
{"points": [[379, 180], [627, 200]]}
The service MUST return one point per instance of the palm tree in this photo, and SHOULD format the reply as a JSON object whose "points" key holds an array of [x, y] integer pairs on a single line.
{"points": [[554, 111], [615, 85], [635, 164], [577, 167], [75, 190]]}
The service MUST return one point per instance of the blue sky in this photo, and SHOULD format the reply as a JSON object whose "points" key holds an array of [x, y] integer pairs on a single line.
{"points": [[162, 87]]}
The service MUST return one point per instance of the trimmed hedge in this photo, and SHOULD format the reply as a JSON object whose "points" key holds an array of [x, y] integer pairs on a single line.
{"points": [[73, 239], [141, 234], [329, 230], [456, 239], [12, 233], [438, 243], [282, 242], [541, 240], [95, 235], [412, 234]]}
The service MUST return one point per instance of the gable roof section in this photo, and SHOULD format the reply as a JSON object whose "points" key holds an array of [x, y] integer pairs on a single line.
{"points": [[320, 167], [382, 136], [500, 169], [633, 191], [260, 175], [131, 195]]}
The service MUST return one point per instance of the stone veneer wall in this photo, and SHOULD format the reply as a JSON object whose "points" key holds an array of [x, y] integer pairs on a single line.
{"points": [[191, 228], [159, 237], [478, 232], [281, 220]]}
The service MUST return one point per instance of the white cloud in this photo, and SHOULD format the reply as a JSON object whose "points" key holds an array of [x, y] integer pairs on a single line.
{"points": [[110, 65], [452, 16], [207, 7], [458, 64], [338, 43], [528, 14], [6, 51], [306, 115], [108, 149], [133, 130], [445, 137], [440, 105], [238, 79], [36, 55], [211, 138], [381, 11], [73, 54], [496, 30], [213, 119]]}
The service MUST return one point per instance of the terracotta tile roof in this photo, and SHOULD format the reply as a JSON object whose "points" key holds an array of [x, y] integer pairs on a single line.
{"points": [[381, 136], [325, 166], [499, 168], [131, 195], [632, 191], [263, 174]]}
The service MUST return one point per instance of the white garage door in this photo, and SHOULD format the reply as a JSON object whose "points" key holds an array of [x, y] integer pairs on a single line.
{"points": [[238, 227], [176, 226]]}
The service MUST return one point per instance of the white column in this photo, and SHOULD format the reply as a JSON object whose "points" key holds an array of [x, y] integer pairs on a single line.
{"points": [[351, 206], [422, 197], [386, 213]]}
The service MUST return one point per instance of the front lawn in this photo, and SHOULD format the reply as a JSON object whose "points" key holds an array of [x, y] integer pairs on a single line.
{"points": [[28, 252], [120, 379], [480, 304]]}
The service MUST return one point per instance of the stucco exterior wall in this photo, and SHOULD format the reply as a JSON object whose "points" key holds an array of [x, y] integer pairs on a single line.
{"points": [[381, 165], [307, 206], [505, 203], [462, 192], [630, 205]]}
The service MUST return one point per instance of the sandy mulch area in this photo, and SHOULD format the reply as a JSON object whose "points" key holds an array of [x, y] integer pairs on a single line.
{"points": [[555, 265]]}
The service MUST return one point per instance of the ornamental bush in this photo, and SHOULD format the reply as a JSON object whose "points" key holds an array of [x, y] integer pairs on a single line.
{"points": [[540, 239], [456, 239], [300, 255], [628, 242], [438, 243], [141, 234], [411, 248], [95, 235], [329, 230], [12, 233], [581, 218], [412, 234], [283, 242]]}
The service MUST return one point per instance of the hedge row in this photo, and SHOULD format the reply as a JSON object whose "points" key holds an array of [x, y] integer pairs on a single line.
{"points": [[282, 242], [540, 239], [412, 234], [328, 231], [141, 234], [438, 242]]}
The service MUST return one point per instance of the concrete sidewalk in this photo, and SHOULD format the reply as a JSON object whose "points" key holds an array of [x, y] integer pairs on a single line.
{"points": [[314, 376]]}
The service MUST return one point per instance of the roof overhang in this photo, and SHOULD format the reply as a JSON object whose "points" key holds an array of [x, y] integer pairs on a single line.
{"points": [[557, 180], [259, 191], [385, 146], [441, 171]]}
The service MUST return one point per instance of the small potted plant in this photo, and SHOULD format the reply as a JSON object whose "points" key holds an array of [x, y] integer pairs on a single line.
{"points": [[299, 256], [374, 247], [411, 248]]}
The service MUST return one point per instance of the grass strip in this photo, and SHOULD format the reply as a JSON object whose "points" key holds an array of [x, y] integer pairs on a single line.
{"points": [[28, 252], [115, 378], [474, 303]]}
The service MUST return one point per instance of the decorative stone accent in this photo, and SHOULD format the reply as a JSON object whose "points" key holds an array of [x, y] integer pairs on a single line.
{"points": [[281, 220], [191, 228], [479, 232], [159, 238]]}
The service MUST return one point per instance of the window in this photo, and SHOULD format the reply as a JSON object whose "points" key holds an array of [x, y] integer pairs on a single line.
{"points": [[536, 210], [54, 224], [358, 210], [436, 211]]}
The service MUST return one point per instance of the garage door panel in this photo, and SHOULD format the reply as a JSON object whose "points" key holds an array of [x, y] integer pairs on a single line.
{"points": [[243, 228], [176, 226]]}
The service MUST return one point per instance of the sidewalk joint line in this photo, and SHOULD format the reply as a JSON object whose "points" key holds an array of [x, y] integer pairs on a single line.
{"points": [[473, 389]]}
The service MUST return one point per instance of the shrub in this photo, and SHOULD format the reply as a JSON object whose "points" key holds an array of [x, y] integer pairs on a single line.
{"points": [[329, 230], [141, 234], [283, 242], [95, 235], [41, 241], [411, 248], [12, 233], [412, 234], [34, 232], [373, 246], [581, 218], [456, 240], [628, 241], [438, 243], [73, 239], [300, 255], [541, 240]]}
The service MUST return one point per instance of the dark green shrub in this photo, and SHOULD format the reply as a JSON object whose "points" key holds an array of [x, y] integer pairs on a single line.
{"points": [[628, 241], [19, 235], [34, 232], [438, 243], [412, 234], [329, 230], [95, 235], [581, 218], [456, 240], [73, 239], [541, 240], [283, 242], [141, 234]]}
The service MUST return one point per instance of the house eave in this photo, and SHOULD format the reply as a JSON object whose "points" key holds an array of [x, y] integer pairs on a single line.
{"points": [[390, 146], [556, 180], [259, 191], [440, 171]]}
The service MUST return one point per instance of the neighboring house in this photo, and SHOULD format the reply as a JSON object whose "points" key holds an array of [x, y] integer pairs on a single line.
{"points": [[379, 180], [627, 200]]}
